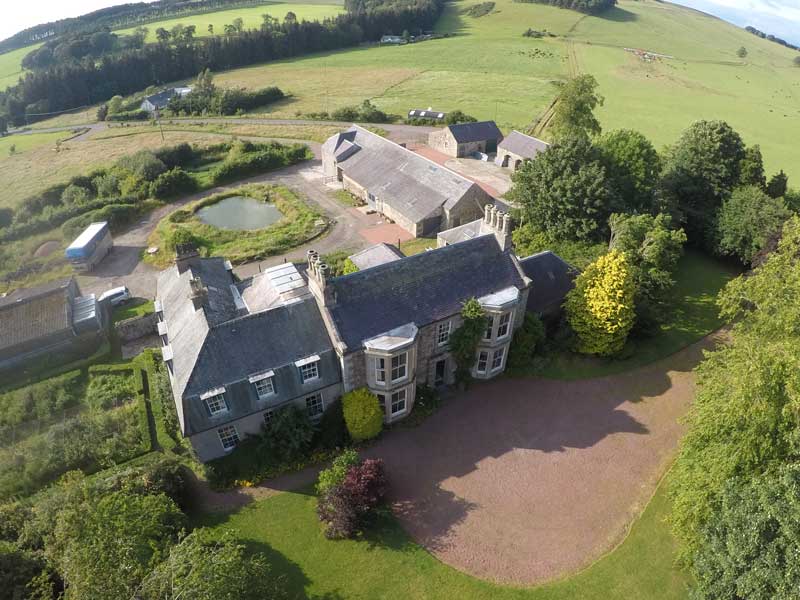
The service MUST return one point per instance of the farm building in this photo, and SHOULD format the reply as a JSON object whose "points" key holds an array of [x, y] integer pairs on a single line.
{"points": [[416, 193], [90, 247], [160, 100], [393, 40], [51, 320], [238, 351], [516, 148], [465, 139]]}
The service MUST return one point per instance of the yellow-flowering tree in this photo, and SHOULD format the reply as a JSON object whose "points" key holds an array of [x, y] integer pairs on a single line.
{"points": [[600, 308]]}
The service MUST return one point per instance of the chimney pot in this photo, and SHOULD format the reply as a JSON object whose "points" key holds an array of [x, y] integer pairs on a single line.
{"points": [[487, 214], [506, 223]]}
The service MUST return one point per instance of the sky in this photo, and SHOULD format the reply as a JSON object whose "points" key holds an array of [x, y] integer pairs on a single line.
{"points": [[781, 18], [778, 17]]}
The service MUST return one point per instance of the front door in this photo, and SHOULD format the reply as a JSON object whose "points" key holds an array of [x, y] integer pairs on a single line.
{"points": [[439, 377]]}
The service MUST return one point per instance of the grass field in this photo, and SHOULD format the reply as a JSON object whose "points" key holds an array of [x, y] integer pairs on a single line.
{"points": [[11, 65], [388, 564], [697, 282], [310, 10], [25, 143]]}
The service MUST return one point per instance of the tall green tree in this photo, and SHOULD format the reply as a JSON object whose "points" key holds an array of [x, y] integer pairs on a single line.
{"points": [[633, 167], [744, 420], [565, 191], [653, 249], [202, 568], [574, 111], [105, 547], [778, 185], [747, 220], [751, 168], [701, 170], [751, 543]]}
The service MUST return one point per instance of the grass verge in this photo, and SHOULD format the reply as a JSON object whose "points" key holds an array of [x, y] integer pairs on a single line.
{"points": [[136, 307], [390, 565]]}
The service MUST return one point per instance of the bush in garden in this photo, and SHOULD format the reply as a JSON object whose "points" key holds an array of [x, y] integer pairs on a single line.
{"points": [[363, 414], [600, 308], [142, 164], [174, 182], [335, 474], [527, 340], [290, 433], [346, 508], [175, 156]]}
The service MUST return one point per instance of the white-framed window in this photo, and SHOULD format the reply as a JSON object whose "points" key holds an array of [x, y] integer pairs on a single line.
{"points": [[309, 371], [264, 387], [216, 404], [268, 414], [315, 406], [399, 366], [443, 333], [489, 327], [399, 402], [380, 370], [483, 360], [504, 326], [497, 358], [228, 437]]}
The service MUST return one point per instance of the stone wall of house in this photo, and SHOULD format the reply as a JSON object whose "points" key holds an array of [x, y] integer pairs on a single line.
{"points": [[508, 159], [469, 208], [136, 327], [207, 446], [444, 142]]}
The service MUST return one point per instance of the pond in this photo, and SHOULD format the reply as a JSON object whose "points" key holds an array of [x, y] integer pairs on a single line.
{"points": [[239, 212]]}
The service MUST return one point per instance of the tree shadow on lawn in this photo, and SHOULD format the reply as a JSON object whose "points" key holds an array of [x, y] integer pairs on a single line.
{"points": [[617, 14]]}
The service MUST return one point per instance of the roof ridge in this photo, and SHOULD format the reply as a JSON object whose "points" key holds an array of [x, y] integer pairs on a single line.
{"points": [[418, 155]]}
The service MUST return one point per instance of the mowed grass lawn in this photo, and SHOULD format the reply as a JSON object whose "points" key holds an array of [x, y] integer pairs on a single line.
{"points": [[310, 10], [697, 283], [389, 565], [30, 141], [11, 65]]}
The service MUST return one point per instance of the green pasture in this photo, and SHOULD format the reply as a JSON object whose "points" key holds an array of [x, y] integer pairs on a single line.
{"points": [[388, 564], [11, 65], [310, 10], [24, 143]]}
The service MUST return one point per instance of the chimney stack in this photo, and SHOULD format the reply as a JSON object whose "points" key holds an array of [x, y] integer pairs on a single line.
{"points": [[487, 214], [198, 292], [318, 276]]}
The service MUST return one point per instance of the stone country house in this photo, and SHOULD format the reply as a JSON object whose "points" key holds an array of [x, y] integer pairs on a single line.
{"points": [[416, 193], [465, 139], [237, 351]]}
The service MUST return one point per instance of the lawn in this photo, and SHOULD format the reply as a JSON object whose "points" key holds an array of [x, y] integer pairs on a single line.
{"points": [[315, 10], [11, 65], [31, 141], [698, 280], [135, 307], [417, 245], [388, 564]]}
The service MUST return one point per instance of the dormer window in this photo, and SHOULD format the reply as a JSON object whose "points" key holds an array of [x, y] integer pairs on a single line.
{"points": [[309, 368], [399, 366], [215, 402], [504, 326], [264, 383]]}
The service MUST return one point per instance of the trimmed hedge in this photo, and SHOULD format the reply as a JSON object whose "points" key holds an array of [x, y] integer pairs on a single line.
{"points": [[363, 414]]}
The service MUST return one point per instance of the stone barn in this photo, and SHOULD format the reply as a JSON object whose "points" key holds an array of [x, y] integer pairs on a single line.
{"points": [[517, 148], [465, 139], [418, 194]]}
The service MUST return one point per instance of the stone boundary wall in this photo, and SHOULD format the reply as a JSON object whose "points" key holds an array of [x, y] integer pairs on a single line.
{"points": [[136, 327]]}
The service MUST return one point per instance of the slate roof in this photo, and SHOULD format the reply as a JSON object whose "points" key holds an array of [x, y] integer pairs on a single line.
{"points": [[161, 99], [254, 343], [523, 145], [465, 232], [421, 289], [465, 133], [32, 313], [373, 256], [552, 279], [411, 184]]}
